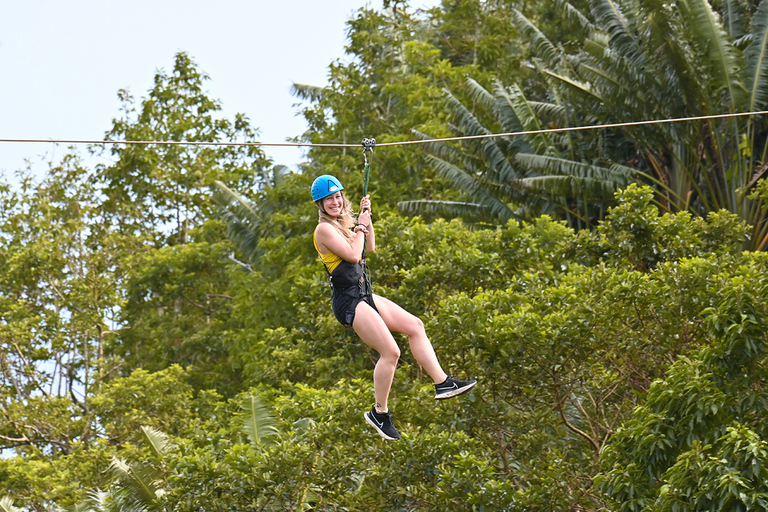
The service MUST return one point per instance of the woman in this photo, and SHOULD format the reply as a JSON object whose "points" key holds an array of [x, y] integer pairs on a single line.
{"points": [[339, 241]]}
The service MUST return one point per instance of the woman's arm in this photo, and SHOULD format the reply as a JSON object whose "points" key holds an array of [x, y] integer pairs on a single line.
{"points": [[366, 220], [330, 240], [370, 239]]}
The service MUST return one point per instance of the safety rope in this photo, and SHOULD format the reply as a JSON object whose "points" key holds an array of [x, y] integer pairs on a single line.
{"points": [[399, 143], [368, 145]]}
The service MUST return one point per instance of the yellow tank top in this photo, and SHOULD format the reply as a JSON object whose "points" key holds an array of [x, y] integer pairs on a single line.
{"points": [[330, 260]]}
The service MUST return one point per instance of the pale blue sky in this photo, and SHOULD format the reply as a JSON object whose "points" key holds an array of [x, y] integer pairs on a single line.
{"points": [[62, 63]]}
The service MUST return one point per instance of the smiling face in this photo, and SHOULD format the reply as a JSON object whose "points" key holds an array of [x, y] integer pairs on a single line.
{"points": [[334, 204]]}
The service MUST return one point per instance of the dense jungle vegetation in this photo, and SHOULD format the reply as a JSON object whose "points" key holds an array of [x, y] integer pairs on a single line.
{"points": [[166, 330]]}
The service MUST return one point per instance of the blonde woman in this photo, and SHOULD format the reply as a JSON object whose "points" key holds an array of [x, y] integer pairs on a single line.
{"points": [[339, 240]]}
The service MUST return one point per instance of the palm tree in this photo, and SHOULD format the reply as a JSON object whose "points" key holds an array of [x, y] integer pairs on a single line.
{"points": [[642, 60], [521, 177], [248, 222]]}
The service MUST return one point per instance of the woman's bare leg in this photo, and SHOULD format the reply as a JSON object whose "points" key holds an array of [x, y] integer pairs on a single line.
{"points": [[399, 320], [374, 333]]}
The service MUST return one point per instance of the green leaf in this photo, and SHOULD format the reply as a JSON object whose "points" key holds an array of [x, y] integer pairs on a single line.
{"points": [[258, 422], [157, 440]]}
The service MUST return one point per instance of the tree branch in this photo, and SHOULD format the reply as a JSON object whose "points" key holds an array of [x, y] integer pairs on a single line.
{"points": [[559, 401]]}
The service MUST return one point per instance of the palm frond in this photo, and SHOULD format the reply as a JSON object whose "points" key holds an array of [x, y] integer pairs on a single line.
{"points": [[609, 16], [543, 47], [6, 505], [617, 83], [307, 92], [157, 440], [279, 172], [438, 148], [756, 56], [571, 13], [665, 33], [614, 82], [489, 147], [733, 19], [470, 125], [551, 166], [98, 500], [597, 44], [460, 209], [515, 99], [479, 94], [472, 186], [138, 484], [504, 109], [258, 423], [245, 223], [549, 110], [577, 86], [571, 186], [721, 57]]}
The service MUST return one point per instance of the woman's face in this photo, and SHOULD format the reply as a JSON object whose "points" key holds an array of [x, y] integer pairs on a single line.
{"points": [[334, 204]]}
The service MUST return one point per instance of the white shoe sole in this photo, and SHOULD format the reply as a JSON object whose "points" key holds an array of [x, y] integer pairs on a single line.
{"points": [[455, 392], [381, 433]]}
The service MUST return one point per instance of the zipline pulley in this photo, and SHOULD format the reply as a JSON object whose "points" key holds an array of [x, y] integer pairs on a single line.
{"points": [[368, 145]]}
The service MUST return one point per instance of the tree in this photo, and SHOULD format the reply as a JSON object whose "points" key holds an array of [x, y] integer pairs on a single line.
{"points": [[59, 298], [639, 61], [160, 194], [151, 189], [698, 441], [521, 177], [391, 84]]}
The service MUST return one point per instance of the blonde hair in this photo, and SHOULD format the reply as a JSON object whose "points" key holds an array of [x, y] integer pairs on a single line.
{"points": [[343, 223]]}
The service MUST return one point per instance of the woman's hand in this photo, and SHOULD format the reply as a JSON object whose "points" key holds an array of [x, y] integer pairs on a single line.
{"points": [[365, 208]]}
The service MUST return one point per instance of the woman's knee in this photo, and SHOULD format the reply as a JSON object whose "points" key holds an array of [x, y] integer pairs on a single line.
{"points": [[391, 353], [414, 326]]}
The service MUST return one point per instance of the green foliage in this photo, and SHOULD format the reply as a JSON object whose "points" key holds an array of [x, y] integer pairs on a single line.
{"points": [[634, 234], [158, 441], [620, 368], [706, 405], [521, 176], [176, 290], [162, 400], [636, 61], [150, 188], [728, 476], [391, 84]]}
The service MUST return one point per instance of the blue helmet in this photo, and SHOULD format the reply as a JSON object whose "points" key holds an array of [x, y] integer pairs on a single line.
{"points": [[325, 185]]}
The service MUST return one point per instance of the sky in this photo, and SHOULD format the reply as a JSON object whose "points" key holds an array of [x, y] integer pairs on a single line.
{"points": [[62, 63]]}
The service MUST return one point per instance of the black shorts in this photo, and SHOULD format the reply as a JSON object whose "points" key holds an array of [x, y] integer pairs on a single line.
{"points": [[345, 301]]}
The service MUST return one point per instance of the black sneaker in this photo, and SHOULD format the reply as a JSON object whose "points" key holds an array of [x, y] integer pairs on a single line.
{"points": [[453, 387], [382, 423]]}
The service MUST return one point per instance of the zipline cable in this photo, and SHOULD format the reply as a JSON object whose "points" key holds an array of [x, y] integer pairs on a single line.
{"points": [[399, 143]]}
